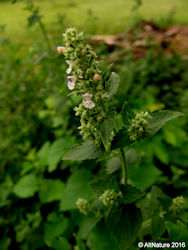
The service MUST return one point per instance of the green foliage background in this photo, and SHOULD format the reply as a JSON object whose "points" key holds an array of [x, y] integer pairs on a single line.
{"points": [[38, 190]]}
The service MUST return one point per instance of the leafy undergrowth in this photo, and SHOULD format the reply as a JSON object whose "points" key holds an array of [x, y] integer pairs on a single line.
{"points": [[39, 192]]}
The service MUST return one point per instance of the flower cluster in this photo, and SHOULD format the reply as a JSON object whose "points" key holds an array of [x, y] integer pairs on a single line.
{"points": [[177, 204], [139, 125], [85, 78], [110, 197], [83, 206]]}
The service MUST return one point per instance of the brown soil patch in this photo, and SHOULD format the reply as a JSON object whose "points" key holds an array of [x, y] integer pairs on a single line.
{"points": [[171, 39]]}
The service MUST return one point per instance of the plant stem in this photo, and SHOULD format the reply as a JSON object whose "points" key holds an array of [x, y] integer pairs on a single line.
{"points": [[124, 166], [42, 27]]}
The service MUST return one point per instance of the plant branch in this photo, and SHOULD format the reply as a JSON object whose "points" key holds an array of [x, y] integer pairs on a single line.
{"points": [[124, 166], [45, 35]]}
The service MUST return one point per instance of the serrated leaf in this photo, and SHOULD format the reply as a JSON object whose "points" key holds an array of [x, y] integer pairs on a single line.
{"points": [[98, 186], [58, 149], [84, 151], [124, 222], [76, 187], [131, 194], [152, 203], [113, 84], [100, 239], [51, 190], [26, 187], [127, 113], [159, 118], [177, 232], [106, 128], [121, 139]]}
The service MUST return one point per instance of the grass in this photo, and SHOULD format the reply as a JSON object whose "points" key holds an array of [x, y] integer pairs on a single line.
{"points": [[100, 16]]}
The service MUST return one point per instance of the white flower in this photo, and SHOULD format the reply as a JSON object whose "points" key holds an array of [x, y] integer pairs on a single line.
{"points": [[71, 84], [87, 96], [70, 63], [89, 104], [79, 71], [60, 49]]}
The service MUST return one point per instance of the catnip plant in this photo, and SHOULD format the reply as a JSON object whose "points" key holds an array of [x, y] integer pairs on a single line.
{"points": [[116, 200]]}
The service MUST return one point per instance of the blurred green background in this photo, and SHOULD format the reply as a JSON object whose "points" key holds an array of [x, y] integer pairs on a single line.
{"points": [[109, 16], [37, 121]]}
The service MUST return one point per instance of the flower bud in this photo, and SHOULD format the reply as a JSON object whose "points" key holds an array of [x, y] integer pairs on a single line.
{"points": [[139, 125], [99, 119], [96, 77], [60, 49], [177, 204], [83, 206], [100, 87], [67, 44], [84, 52], [110, 197]]}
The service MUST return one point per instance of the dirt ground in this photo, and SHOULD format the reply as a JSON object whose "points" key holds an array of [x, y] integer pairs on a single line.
{"points": [[172, 39]]}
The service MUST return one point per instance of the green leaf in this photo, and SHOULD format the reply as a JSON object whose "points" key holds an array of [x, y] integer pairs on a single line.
{"points": [[54, 227], [58, 149], [124, 222], [159, 118], [42, 154], [5, 190], [100, 239], [76, 187], [131, 156], [160, 150], [27, 167], [121, 139], [86, 226], [175, 139], [131, 194], [106, 128], [180, 157], [51, 190], [144, 175], [127, 113], [33, 18], [113, 165], [113, 84], [98, 186], [177, 232], [26, 187], [84, 151], [152, 204], [60, 244], [5, 243], [157, 226], [80, 244]]}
